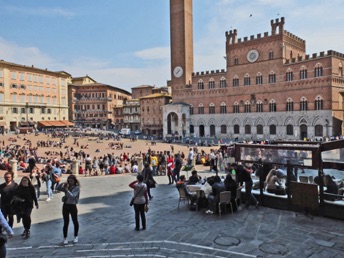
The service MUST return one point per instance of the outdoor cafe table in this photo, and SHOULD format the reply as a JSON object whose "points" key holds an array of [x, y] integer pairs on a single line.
{"points": [[194, 188]]}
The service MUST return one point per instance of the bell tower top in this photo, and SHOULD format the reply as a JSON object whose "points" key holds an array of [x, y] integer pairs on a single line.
{"points": [[181, 33]]}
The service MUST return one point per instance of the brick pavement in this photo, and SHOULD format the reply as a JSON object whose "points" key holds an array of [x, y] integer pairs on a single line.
{"points": [[107, 228]]}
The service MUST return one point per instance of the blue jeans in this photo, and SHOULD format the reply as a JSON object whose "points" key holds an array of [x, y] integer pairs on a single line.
{"points": [[154, 170], [49, 191], [38, 191]]}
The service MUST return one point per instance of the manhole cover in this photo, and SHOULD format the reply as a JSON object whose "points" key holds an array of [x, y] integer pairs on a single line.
{"points": [[273, 248], [227, 241]]}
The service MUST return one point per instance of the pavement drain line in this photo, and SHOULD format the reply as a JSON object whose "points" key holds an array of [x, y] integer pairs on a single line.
{"points": [[199, 247]]}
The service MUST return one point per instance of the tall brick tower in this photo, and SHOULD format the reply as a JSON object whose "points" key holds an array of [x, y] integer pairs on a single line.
{"points": [[181, 43]]}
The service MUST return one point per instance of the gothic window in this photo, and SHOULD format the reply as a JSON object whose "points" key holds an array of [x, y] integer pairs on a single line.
{"points": [[340, 70], [223, 83], [318, 130], [290, 105], [272, 106], [260, 129], [247, 129], [318, 70], [303, 104], [272, 129], [201, 109], [223, 108], [223, 129], [318, 103], [211, 83], [236, 129], [290, 130], [236, 61], [259, 106], [235, 81], [303, 73], [289, 76], [272, 77], [247, 107], [200, 85], [259, 79], [211, 108], [236, 108], [247, 80]]}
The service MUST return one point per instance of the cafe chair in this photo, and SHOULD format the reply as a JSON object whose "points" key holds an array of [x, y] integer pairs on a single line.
{"points": [[225, 198], [238, 197], [303, 179], [183, 197]]}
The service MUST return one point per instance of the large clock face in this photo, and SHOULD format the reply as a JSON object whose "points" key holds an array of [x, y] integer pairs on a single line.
{"points": [[252, 55], [178, 71]]}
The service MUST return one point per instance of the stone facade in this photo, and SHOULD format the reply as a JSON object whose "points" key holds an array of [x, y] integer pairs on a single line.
{"points": [[29, 95], [93, 104]]}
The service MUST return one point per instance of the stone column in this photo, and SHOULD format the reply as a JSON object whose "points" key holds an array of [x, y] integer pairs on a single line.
{"points": [[14, 165], [75, 167]]}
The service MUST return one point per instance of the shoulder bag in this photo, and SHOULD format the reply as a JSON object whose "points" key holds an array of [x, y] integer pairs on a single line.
{"points": [[133, 198]]}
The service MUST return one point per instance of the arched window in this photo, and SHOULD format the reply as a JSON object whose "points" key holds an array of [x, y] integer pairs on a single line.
{"points": [[259, 79], [211, 108], [260, 129], [236, 129], [223, 108], [200, 84], [303, 104], [247, 107], [290, 105], [247, 129], [211, 83], [319, 130], [272, 106], [318, 70], [247, 80], [290, 130], [272, 129], [272, 77], [318, 103], [259, 106], [289, 76], [236, 107], [223, 82], [192, 129], [191, 110], [303, 73], [235, 81], [223, 129], [200, 108]]}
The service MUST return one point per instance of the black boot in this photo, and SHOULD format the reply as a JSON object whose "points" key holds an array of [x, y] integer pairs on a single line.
{"points": [[27, 233], [24, 233]]}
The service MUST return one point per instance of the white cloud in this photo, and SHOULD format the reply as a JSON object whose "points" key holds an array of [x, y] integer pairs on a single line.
{"points": [[40, 11], [158, 53]]}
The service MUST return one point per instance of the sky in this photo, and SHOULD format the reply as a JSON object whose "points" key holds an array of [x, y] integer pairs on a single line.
{"points": [[126, 43]]}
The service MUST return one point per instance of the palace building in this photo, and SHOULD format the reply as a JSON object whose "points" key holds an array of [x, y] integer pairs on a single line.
{"points": [[29, 95], [270, 89]]}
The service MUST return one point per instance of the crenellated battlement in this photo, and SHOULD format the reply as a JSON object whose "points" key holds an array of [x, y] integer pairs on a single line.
{"points": [[209, 72], [314, 56], [277, 28], [295, 38]]}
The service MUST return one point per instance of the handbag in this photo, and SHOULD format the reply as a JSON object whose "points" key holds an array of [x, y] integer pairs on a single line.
{"points": [[133, 198], [146, 208]]}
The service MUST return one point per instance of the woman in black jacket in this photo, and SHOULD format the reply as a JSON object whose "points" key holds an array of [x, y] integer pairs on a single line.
{"points": [[24, 196], [148, 179]]}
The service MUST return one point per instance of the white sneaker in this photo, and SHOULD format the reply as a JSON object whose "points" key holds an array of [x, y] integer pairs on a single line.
{"points": [[48, 200], [76, 239], [65, 241]]}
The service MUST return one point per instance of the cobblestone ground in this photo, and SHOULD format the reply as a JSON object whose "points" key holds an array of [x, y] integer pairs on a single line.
{"points": [[107, 228], [107, 222]]}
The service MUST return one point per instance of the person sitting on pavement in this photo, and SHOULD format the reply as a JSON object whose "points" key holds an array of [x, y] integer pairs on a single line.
{"points": [[194, 178], [214, 197], [274, 184]]}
